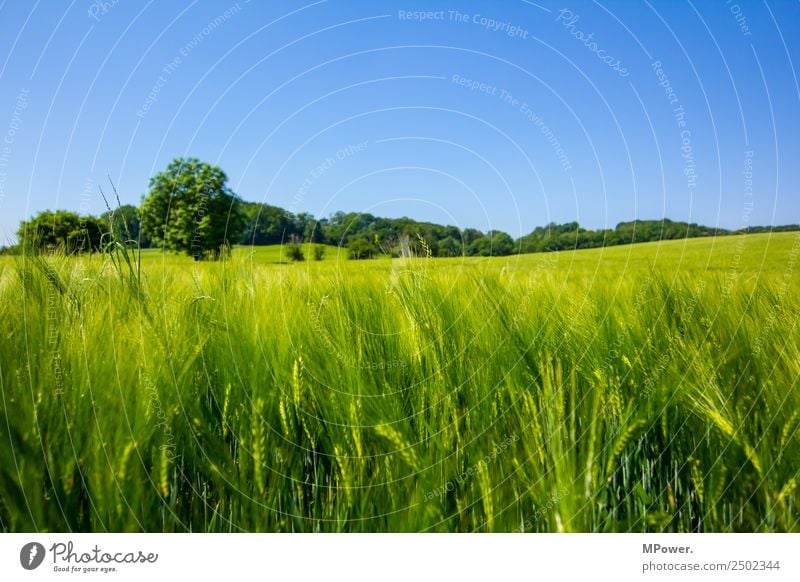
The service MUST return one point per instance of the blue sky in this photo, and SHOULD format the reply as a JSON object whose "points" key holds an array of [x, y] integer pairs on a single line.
{"points": [[504, 115]]}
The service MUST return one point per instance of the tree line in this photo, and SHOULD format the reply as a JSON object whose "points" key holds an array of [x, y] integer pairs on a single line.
{"points": [[189, 208]]}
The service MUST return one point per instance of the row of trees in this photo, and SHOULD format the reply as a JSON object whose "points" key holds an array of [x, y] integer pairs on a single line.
{"points": [[557, 237], [189, 208]]}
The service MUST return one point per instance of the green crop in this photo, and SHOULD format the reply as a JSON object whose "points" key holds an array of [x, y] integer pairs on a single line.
{"points": [[651, 387]]}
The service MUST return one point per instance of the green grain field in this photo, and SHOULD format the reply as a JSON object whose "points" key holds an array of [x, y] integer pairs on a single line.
{"points": [[651, 387]]}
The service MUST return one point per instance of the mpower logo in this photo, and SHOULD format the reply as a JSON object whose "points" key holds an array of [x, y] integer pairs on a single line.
{"points": [[31, 555]]}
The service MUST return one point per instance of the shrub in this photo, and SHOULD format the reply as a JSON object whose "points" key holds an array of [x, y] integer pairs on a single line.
{"points": [[294, 251]]}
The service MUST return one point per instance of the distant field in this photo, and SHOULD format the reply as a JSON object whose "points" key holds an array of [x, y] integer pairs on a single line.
{"points": [[757, 252], [651, 387]]}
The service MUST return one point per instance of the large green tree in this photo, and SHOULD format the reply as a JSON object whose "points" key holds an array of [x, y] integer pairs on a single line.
{"points": [[360, 248], [190, 209]]}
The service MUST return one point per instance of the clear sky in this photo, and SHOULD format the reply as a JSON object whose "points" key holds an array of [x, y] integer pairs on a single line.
{"points": [[504, 115]]}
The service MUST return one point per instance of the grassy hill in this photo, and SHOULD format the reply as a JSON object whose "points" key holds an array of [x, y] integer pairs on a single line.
{"points": [[752, 253]]}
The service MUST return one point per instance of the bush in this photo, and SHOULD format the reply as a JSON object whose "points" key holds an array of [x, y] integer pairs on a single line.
{"points": [[319, 252], [294, 251], [62, 230]]}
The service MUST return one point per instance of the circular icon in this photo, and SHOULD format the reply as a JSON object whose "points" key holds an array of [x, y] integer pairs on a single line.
{"points": [[31, 555]]}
